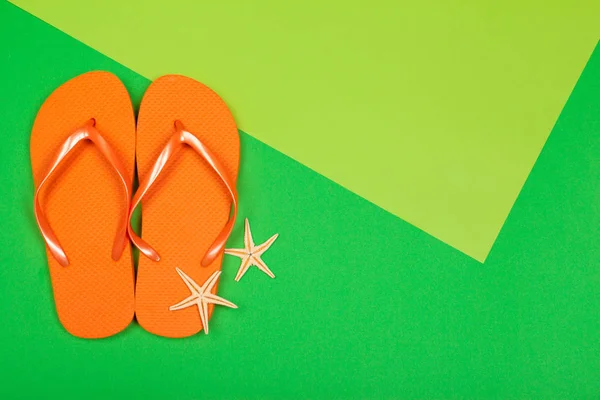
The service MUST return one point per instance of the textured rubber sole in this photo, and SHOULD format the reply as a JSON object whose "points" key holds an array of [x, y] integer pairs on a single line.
{"points": [[84, 203], [188, 205]]}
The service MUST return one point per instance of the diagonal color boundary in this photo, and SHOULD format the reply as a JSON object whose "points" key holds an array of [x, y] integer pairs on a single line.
{"points": [[434, 111]]}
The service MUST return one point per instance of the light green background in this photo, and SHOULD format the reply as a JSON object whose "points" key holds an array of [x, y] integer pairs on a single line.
{"points": [[433, 110]]}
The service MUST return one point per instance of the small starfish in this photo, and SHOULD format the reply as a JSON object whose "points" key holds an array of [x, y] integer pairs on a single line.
{"points": [[250, 255], [201, 296]]}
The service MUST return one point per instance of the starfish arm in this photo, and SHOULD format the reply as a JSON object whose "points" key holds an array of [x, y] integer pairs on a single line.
{"points": [[189, 282], [248, 242], [263, 267], [214, 299], [246, 262], [210, 282], [237, 252], [187, 302], [203, 308], [265, 246]]}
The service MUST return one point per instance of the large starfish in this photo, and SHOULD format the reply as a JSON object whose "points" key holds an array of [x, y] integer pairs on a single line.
{"points": [[201, 296], [250, 255]]}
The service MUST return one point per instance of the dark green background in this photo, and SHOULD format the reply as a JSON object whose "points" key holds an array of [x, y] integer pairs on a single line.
{"points": [[364, 305]]}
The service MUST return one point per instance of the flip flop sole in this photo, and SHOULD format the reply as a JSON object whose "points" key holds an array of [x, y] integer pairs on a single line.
{"points": [[84, 203], [188, 205]]}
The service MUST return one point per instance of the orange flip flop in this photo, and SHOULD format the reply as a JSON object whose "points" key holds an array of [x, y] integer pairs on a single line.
{"points": [[82, 157], [187, 157]]}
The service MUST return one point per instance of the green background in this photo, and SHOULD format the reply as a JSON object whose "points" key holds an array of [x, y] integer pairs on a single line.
{"points": [[434, 110], [364, 305]]}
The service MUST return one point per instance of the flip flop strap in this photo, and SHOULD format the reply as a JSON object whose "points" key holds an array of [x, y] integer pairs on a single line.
{"points": [[176, 142], [86, 132]]}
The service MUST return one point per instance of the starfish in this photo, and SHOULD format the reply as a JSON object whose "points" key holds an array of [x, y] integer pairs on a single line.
{"points": [[201, 296], [250, 255]]}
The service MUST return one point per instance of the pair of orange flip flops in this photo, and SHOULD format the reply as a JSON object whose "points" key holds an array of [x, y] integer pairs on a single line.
{"points": [[85, 144]]}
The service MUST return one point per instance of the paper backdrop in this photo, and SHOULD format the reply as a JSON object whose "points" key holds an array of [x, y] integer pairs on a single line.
{"points": [[364, 303]]}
